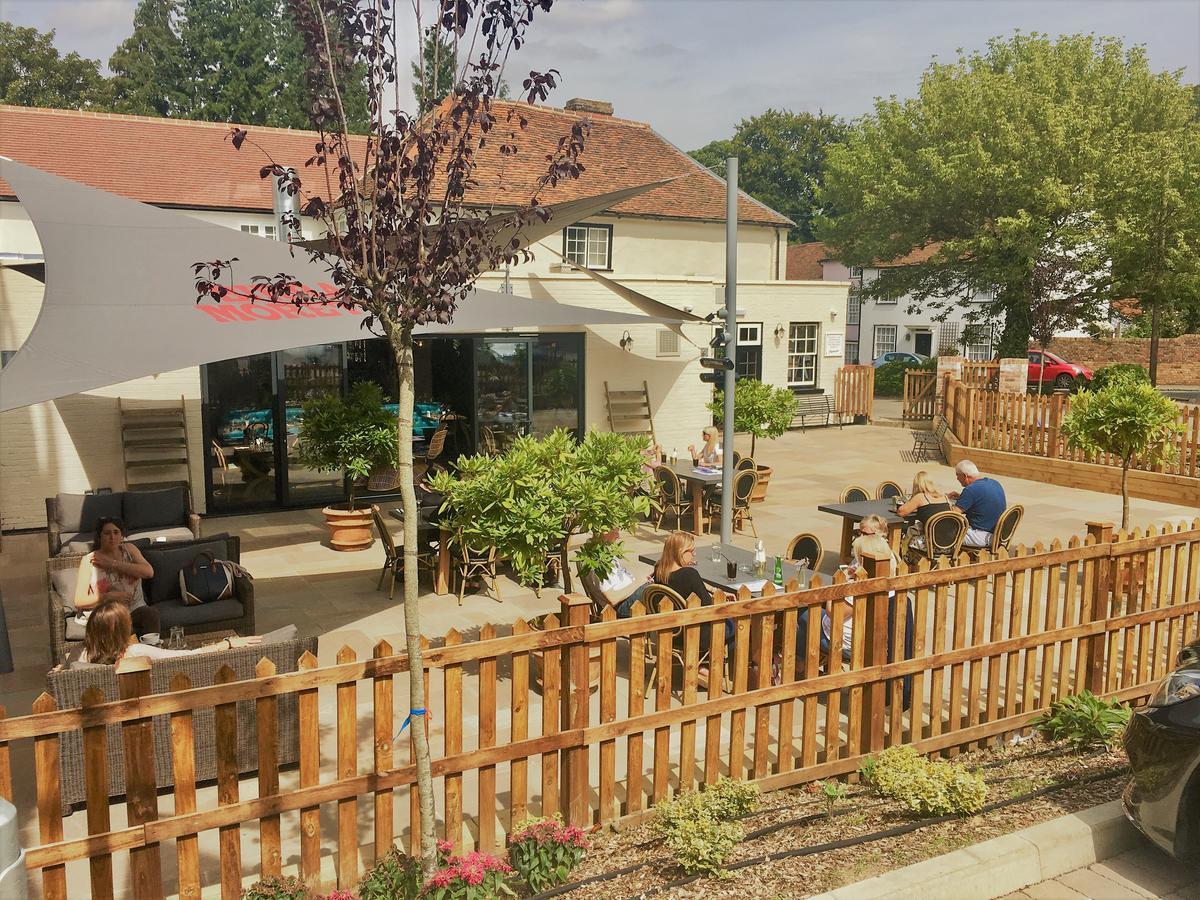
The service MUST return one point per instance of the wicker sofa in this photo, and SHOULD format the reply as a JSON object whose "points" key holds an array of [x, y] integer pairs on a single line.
{"points": [[71, 518], [66, 686], [162, 592]]}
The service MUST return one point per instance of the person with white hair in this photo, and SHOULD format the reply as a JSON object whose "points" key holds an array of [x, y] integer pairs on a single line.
{"points": [[981, 500]]}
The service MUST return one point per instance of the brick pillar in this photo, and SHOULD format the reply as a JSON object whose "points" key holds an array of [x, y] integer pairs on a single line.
{"points": [[1014, 375], [947, 365]]}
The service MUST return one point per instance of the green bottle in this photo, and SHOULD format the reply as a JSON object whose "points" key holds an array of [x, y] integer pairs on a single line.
{"points": [[779, 571]]}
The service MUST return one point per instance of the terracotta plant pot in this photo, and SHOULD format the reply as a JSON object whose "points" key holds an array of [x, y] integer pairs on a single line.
{"points": [[760, 489], [349, 529]]}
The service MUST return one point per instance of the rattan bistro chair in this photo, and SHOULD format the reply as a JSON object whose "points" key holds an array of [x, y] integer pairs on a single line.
{"points": [[887, 490], [745, 464], [475, 562], [393, 556], [944, 533], [744, 483], [855, 494], [671, 498], [652, 598], [805, 546], [1006, 527]]}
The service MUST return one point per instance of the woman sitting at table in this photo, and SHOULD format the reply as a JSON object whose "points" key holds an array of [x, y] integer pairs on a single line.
{"points": [[926, 500], [114, 571], [109, 639], [710, 451]]}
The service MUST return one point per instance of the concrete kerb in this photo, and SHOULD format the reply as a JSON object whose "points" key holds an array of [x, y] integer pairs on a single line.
{"points": [[1007, 863]]}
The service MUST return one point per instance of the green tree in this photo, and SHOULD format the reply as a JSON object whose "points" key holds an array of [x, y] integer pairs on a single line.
{"points": [[1129, 419], [759, 409], [33, 73], [436, 71], [148, 67], [1153, 208], [997, 164], [781, 162]]}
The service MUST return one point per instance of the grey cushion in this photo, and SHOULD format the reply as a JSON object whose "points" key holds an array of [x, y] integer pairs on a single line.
{"points": [[148, 538], [154, 509], [79, 512], [169, 559], [75, 630], [173, 612], [63, 581], [75, 543]]}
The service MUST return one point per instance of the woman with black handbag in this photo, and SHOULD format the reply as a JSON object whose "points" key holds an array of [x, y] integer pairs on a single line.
{"points": [[113, 571]]}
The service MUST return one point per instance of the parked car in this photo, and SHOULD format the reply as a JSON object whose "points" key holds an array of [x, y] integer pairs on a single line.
{"points": [[1047, 368], [1162, 741], [914, 359]]}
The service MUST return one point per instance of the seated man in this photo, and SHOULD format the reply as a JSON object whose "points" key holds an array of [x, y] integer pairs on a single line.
{"points": [[981, 500]]}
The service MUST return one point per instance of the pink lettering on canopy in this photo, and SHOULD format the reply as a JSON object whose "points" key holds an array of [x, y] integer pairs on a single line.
{"points": [[265, 311], [225, 313], [261, 310]]}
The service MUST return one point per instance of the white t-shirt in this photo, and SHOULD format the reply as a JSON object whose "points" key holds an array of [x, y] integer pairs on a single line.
{"points": [[618, 577]]}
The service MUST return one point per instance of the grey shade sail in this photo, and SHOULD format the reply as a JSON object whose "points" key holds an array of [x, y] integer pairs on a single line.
{"points": [[120, 304]]}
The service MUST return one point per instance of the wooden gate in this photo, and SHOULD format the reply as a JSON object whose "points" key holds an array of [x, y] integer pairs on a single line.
{"points": [[854, 390], [919, 394]]}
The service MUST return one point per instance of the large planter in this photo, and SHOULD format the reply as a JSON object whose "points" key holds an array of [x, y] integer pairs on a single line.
{"points": [[760, 489], [349, 529]]}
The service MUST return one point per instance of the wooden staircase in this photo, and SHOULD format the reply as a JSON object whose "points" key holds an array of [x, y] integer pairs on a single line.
{"points": [[154, 445]]}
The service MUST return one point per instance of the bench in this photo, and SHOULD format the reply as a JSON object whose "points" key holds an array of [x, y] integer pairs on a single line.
{"points": [[812, 407], [927, 445]]}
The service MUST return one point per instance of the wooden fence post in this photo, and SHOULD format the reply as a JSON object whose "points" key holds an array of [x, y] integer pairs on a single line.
{"points": [[575, 707], [875, 652], [141, 791], [1098, 608]]}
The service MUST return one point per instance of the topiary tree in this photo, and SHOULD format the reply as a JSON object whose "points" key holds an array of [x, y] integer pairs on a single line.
{"points": [[1129, 419], [760, 409]]}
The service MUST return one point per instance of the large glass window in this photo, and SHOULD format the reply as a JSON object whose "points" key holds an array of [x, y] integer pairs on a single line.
{"points": [[885, 340], [239, 414], [556, 382], [589, 246], [749, 350], [502, 380], [802, 354], [308, 373]]}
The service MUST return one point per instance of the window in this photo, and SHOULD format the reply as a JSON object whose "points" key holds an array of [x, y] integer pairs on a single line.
{"points": [[749, 351], [802, 354], [851, 353], [977, 342], [853, 308], [885, 340], [267, 231], [888, 300], [589, 246], [856, 273], [984, 295]]}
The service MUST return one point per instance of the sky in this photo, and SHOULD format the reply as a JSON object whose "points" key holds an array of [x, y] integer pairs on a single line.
{"points": [[695, 68]]}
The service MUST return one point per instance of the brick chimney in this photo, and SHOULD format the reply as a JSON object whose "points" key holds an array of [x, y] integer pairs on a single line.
{"points": [[596, 107]]}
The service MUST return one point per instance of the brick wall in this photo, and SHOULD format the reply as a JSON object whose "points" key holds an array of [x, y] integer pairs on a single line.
{"points": [[1178, 358]]}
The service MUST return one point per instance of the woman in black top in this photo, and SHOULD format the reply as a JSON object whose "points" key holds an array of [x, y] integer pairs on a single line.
{"points": [[926, 501], [677, 570]]}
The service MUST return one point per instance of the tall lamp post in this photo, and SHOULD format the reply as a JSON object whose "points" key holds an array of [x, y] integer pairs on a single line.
{"points": [[731, 223]]}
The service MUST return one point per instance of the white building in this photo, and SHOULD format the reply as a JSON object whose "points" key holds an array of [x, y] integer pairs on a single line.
{"points": [[667, 243]]}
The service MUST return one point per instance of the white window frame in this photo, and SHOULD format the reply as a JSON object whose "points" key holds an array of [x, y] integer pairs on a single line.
{"points": [[851, 355], [854, 308], [803, 354], [878, 349], [977, 350], [595, 242], [267, 231]]}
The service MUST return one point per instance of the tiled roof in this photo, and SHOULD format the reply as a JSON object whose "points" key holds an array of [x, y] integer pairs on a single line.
{"points": [[175, 162], [804, 260]]}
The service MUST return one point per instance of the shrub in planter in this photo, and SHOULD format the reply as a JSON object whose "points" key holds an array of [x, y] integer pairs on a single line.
{"points": [[476, 876], [760, 410], [927, 787], [277, 889], [698, 827], [544, 852], [1084, 720]]}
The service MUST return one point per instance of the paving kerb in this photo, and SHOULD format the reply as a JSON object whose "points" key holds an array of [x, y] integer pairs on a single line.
{"points": [[1007, 863]]}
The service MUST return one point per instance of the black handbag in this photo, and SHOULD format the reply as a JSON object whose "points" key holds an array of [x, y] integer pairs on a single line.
{"points": [[204, 580]]}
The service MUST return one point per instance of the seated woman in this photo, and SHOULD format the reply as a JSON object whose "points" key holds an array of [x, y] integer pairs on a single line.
{"points": [[114, 571], [709, 453], [926, 500], [109, 638]]}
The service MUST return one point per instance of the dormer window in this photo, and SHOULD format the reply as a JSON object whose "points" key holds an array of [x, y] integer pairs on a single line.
{"points": [[589, 246]]}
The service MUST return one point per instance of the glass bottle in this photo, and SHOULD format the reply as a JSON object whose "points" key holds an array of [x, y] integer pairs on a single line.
{"points": [[778, 571], [760, 559]]}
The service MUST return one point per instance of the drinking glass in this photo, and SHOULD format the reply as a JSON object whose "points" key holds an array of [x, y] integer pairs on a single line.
{"points": [[731, 569], [716, 553], [176, 641]]}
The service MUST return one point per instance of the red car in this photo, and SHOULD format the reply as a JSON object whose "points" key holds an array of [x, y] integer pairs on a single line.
{"points": [[1056, 371]]}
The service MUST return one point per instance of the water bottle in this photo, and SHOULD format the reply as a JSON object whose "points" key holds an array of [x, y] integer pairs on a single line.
{"points": [[779, 571], [674, 456], [760, 559]]}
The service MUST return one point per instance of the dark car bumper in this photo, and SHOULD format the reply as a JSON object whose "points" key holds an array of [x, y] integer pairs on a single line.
{"points": [[1162, 798]]}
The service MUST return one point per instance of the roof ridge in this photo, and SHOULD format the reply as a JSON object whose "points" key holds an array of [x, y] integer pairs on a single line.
{"points": [[166, 120], [578, 114]]}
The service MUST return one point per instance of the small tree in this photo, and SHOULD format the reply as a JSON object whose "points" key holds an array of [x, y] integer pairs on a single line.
{"points": [[760, 409], [1129, 419], [354, 435]]}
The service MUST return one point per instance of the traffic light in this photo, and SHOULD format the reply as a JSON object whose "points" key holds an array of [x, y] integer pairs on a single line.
{"points": [[722, 364]]}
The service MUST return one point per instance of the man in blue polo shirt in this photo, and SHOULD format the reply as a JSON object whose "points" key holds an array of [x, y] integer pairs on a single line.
{"points": [[981, 500]]}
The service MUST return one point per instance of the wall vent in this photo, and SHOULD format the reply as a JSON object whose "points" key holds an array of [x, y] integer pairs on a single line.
{"points": [[668, 342]]}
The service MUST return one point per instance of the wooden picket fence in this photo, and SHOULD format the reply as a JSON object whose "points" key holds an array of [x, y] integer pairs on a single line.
{"points": [[982, 375], [854, 391], [920, 394], [989, 646], [1031, 424]]}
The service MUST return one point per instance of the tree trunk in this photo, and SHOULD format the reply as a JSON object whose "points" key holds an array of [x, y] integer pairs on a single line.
{"points": [[1014, 339], [1155, 327], [752, 445], [564, 553], [1125, 495], [400, 337]]}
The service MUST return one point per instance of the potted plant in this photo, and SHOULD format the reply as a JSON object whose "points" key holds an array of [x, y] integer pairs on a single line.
{"points": [[351, 435], [762, 411]]}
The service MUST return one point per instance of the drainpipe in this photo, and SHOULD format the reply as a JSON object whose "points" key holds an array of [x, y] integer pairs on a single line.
{"points": [[13, 880]]}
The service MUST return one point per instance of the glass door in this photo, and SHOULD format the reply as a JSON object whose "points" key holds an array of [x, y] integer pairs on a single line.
{"points": [[239, 414], [305, 373], [502, 377]]}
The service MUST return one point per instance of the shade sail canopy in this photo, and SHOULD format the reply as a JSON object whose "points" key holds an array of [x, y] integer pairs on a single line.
{"points": [[119, 301]]}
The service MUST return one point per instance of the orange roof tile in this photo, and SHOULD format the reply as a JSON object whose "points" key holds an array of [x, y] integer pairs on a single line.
{"points": [[184, 163], [804, 261]]}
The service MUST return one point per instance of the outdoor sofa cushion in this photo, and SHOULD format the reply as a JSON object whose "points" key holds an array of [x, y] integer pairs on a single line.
{"points": [[161, 535], [145, 510], [77, 513], [167, 563], [174, 612]]}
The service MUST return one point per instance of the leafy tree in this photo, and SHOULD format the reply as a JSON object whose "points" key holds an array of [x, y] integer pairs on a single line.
{"points": [[401, 243], [435, 71], [760, 409], [1129, 419], [781, 162], [149, 66], [354, 435], [996, 165], [33, 73]]}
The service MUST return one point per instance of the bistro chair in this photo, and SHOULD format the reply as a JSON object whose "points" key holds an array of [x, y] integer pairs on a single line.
{"points": [[487, 440], [887, 490], [737, 459], [652, 598], [474, 562], [1006, 527], [944, 533], [393, 556], [744, 483], [437, 444], [854, 494], [222, 471], [805, 546], [670, 495], [745, 464]]}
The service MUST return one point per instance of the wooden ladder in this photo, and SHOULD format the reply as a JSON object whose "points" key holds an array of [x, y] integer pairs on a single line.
{"points": [[154, 446], [629, 411]]}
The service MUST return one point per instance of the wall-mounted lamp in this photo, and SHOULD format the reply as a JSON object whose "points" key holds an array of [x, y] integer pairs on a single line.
{"points": [[626, 341], [779, 331], [833, 315]]}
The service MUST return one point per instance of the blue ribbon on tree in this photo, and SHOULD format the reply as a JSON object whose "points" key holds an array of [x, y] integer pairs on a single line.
{"points": [[408, 720]]}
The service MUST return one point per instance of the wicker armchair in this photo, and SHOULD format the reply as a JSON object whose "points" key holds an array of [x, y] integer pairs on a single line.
{"points": [[66, 686]]}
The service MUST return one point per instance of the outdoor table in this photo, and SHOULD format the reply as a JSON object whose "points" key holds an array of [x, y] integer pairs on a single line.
{"points": [[717, 575], [698, 480], [853, 513], [425, 522]]}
